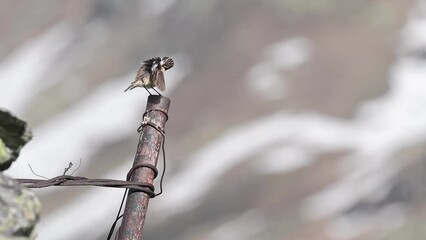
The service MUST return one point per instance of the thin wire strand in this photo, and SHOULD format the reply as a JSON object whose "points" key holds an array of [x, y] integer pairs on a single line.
{"points": [[36, 173], [164, 166], [70, 164], [111, 230], [79, 165]]}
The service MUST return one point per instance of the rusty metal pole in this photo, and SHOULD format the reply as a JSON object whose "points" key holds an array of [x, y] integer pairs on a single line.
{"points": [[147, 153]]}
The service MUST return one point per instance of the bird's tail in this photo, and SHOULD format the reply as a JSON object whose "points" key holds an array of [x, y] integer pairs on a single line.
{"points": [[129, 88]]}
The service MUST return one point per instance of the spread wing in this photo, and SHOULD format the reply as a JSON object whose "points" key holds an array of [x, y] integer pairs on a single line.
{"points": [[159, 80]]}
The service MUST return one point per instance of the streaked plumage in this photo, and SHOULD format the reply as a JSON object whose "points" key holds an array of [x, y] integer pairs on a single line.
{"points": [[151, 74]]}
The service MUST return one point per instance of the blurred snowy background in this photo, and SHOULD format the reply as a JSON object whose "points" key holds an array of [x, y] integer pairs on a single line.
{"points": [[296, 120]]}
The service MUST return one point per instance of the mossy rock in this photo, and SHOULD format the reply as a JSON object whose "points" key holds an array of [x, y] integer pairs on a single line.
{"points": [[14, 134], [19, 210]]}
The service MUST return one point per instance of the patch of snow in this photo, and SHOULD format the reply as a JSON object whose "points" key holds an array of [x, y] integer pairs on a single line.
{"points": [[290, 53], [265, 79], [282, 160]]}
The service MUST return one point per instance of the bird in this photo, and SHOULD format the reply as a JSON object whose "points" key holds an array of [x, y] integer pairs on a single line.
{"points": [[151, 74]]}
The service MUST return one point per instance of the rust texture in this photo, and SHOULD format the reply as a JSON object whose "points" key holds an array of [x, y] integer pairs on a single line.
{"points": [[147, 153]]}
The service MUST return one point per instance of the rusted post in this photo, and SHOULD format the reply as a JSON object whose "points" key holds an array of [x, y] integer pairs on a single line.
{"points": [[147, 153]]}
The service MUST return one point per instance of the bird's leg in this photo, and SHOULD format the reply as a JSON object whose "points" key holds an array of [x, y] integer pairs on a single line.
{"points": [[147, 90], [157, 92]]}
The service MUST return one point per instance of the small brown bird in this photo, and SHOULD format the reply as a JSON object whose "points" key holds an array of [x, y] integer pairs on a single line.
{"points": [[151, 74]]}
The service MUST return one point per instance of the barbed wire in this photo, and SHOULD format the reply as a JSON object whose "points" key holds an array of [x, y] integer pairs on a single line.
{"points": [[69, 180]]}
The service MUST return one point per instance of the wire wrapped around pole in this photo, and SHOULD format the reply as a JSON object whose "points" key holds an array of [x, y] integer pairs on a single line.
{"points": [[148, 149]]}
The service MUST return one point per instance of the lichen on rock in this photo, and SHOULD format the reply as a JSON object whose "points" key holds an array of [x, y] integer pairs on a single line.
{"points": [[14, 134], [19, 210], [19, 207]]}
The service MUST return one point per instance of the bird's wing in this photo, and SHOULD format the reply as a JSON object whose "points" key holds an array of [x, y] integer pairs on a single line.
{"points": [[142, 70], [159, 80]]}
